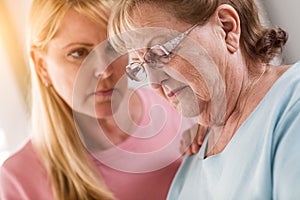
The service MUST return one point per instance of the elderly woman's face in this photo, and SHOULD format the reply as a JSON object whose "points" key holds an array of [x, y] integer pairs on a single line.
{"points": [[192, 67], [85, 82]]}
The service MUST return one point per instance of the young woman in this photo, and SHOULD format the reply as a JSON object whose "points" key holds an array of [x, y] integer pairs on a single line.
{"points": [[74, 153]]}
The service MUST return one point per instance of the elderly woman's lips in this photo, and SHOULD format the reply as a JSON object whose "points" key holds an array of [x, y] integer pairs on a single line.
{"points": [[171, 94], [175, 92], [104, 92]]}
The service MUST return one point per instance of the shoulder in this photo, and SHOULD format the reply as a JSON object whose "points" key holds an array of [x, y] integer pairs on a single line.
{"points": [[22, 176], [286, 135], [285, 91], [291, 77], [21, 164], [25, 154], [285, 108], [285, 95]]}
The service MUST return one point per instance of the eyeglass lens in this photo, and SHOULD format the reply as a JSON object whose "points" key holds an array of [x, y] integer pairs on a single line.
{"points": [[136, 71], [157, 56]]}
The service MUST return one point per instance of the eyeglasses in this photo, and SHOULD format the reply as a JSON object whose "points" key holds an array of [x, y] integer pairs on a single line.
{"points": [[156, 57]]}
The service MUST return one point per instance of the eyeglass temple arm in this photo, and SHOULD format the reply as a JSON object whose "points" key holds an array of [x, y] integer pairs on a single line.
{"points": [[172, 44], [131, 73]]}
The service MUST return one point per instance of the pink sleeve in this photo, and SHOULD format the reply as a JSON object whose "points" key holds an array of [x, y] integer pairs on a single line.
{"points": [[9, 187], [23, 177]]}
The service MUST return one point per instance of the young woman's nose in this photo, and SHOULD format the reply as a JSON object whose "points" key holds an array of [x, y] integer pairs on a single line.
{"points": [[108, 71]]}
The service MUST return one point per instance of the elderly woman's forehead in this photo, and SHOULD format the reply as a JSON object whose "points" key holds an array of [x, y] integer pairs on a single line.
{"points": [[146, 15], [146, 37]]}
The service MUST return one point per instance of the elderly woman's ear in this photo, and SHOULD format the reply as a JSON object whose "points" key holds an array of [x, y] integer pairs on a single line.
{"points": [[229, 20]]}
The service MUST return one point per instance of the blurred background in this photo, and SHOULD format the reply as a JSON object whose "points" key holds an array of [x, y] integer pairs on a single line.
{"points": [[14, 75], [14, 79]]}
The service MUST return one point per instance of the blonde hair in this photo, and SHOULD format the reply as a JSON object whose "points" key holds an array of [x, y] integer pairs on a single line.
{"points": [[258, 42], [55, 137]]}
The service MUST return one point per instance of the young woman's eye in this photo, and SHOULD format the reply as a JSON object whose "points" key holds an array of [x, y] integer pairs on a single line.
{"points": [[79, 53]]}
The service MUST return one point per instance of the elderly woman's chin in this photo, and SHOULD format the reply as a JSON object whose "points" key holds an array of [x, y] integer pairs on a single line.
{"points": [[190, 106], [187, 104]]}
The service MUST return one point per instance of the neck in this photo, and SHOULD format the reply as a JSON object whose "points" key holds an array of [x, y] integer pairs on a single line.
{"points": [[241, 86], [245, 102], [103, 133]]}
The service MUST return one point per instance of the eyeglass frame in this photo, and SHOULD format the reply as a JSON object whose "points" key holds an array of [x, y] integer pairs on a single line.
{"points": [[167, 48]]}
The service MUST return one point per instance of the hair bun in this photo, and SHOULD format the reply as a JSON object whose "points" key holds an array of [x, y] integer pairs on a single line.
{"points": [[271, 43]]}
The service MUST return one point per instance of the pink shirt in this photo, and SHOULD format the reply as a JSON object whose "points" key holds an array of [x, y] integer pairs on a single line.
{"points": [[140, 168], [23, 177]]}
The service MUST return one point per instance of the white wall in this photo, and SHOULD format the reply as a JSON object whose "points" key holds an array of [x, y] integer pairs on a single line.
{"points": [[285, 14], [13, 116], [14, 126]]}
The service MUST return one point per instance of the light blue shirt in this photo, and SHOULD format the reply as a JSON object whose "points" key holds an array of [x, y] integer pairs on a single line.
{"points": [[262, 160]]}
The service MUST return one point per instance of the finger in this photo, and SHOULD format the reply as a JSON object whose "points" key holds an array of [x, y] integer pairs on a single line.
{"points": [[182, 148], [186, 138], [201, 133], [195, 147], [188, 152]]}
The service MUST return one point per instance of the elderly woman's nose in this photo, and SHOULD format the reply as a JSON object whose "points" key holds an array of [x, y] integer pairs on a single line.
{"points": [[156, 76], [155, 85]]}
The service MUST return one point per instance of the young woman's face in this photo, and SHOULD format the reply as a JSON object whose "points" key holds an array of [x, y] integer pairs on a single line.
{"points": [[95, 84]]}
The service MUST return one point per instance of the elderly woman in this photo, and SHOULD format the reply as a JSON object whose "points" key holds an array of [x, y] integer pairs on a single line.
{"points": [[211, 59]]}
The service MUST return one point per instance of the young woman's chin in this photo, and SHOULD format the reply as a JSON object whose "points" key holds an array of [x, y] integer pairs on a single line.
{"points": [[103, 110]]}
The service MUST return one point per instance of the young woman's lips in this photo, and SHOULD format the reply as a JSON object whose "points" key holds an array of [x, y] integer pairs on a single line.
{"points": [[107, 92]]}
